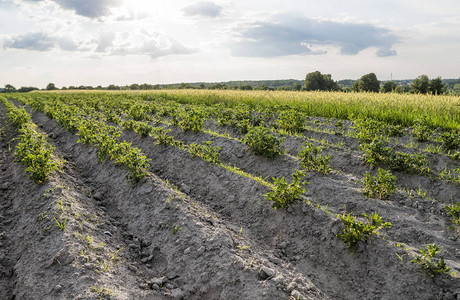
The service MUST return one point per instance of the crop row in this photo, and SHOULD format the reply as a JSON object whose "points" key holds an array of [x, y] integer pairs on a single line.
{"points": [[32, 150]]}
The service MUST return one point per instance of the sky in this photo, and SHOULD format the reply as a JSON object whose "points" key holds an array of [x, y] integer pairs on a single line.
{"points": [[102, 42]]}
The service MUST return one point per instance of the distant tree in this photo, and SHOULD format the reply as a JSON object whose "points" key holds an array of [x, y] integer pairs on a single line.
{"points": [[436, 86], [456, 89], [390, 86], [26, 89], [9, 88], [369, 83], [51, 87], [113, 87], [355, 87], [420, 85], [202, 86], [246, 87], [134, 86], [218, 86], [315, 81], [296, 86], [185, 86], [263, 87]]}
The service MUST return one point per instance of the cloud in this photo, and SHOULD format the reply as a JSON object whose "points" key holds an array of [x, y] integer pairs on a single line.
{"points": [[39, 41], [87, 8], [291, 34], [105, 41], [154, 49], [204, 9], [141, 42]]}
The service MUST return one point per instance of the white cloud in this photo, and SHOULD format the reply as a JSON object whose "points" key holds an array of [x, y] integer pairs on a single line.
{"points": [[204, 9]]}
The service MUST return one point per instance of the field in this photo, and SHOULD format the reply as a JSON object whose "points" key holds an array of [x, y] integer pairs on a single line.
{"points": [[195, 194]]}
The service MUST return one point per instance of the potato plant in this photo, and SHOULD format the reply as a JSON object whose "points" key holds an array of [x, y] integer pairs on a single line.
{"points": [[311, 159], [382, 185], [283, 193], [428, 261], [355, 231], [35, 153], [206, 151], [262, 142]]}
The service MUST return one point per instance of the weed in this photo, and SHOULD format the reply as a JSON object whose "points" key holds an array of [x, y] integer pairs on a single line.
{"points": [[355, 231], [61, 224], [425, 260], [382, 185], [241, 248], [176, 229], [103, 292]]}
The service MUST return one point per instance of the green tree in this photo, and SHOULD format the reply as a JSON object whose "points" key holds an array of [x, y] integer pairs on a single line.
{"points": [[355, 87], [246, 87], [9, 88], [390, 86], [51, 87], [420, 85], [369, 83], [315, 81], [436, 86]]}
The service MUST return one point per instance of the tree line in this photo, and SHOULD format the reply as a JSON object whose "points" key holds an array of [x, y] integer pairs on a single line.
{"points": [[314, 81]]}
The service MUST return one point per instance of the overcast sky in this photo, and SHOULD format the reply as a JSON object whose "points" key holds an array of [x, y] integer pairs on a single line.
{"points": [[100, 42]]}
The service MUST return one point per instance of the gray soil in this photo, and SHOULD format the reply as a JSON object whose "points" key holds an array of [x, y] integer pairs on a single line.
{"points": [[194, 230]]}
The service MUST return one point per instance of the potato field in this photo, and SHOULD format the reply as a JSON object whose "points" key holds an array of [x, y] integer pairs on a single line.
{"points": [[196, 194]]}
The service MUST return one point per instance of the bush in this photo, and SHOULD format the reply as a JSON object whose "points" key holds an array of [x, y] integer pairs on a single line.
{"points": [[382, 186], [262, 142]]}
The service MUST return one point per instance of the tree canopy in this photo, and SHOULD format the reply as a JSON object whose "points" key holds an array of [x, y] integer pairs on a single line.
{"points": [[420, 85], [51, 87], [315, 81], [369, 83], [390, 86]]}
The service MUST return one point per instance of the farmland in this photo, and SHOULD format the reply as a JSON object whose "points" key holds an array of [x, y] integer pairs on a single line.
{"points": [[192, 194]]}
